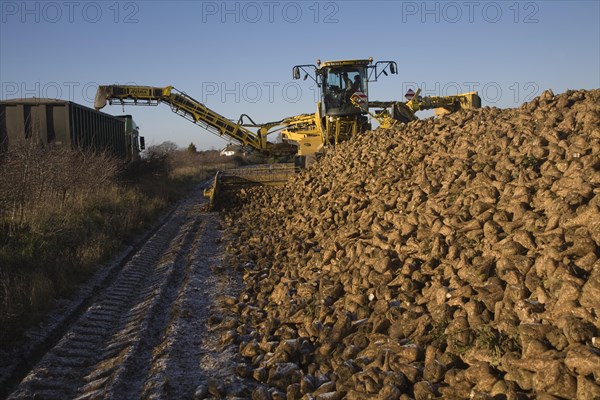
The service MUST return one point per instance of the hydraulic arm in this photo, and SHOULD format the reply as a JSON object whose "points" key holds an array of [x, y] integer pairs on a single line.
{"points": [[392, 113], [187, 107]]}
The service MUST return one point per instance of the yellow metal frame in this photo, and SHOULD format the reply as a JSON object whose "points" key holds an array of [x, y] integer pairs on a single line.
{"points": [[344, 63], [405, 111], [183, 105], [309, 132]]}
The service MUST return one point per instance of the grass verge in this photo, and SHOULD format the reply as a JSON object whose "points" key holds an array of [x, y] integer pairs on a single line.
{"points": [[64, 212]]}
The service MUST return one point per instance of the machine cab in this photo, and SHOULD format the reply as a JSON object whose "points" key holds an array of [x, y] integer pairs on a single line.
{"points": [[340, 80]]}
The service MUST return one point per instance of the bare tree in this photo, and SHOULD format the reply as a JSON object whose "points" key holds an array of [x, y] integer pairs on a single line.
{"points": [[163, 149]]}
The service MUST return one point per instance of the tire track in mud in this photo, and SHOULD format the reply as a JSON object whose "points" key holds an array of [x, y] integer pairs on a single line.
{"points": [[146, 335], [189, 354]]}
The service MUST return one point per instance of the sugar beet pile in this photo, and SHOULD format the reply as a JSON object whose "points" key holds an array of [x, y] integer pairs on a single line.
{"points": [[449, 258]]}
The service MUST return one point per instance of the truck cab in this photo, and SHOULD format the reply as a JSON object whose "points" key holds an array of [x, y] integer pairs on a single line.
{"points": [[135, 142]]}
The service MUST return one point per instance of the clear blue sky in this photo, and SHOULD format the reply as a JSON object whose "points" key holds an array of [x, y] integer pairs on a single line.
{"points": [[237, 56]]}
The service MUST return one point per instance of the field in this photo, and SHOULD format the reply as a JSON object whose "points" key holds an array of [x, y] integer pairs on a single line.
{"points": [[451, 258], [405, 203]]}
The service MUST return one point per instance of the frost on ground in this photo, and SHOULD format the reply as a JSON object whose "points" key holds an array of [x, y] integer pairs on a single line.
{"points": [[196, 347], [161, 329]]}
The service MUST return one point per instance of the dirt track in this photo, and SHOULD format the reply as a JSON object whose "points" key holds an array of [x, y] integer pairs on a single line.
{"points": [[146, 334]]}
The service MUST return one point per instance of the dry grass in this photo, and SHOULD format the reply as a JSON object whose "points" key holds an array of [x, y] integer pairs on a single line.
{"points": [[185, 165], [64, 212]]}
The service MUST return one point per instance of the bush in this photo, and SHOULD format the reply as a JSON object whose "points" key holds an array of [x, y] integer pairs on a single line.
{"points": [[62, 212]]}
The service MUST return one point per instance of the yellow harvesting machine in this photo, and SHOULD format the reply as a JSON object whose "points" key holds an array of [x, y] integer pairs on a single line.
{"points": [[344, 110]]}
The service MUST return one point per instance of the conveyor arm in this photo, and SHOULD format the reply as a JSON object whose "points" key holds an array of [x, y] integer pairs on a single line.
{"points": [[184, 105]]}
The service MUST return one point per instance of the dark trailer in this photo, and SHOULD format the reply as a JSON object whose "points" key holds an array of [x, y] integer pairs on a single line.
{"points": [[64, 123]]}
